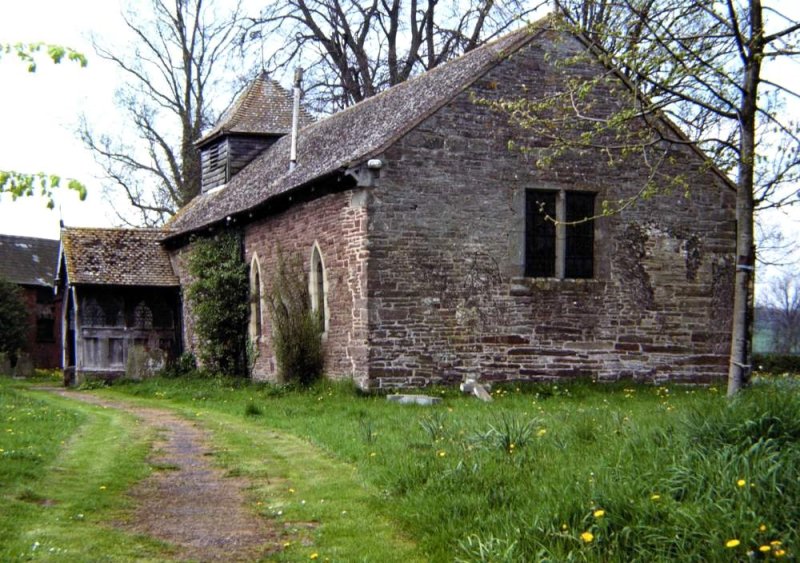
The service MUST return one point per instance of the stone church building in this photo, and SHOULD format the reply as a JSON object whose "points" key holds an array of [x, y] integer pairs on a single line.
{"points": [[430, 246]]}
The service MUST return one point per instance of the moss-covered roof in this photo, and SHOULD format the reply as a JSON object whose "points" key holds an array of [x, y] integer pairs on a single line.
{"points": [[131, 257]]}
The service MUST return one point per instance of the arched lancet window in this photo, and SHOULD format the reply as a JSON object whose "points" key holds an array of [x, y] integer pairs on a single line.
{"points": [[318, 287], [256, 298], [142, 316]]}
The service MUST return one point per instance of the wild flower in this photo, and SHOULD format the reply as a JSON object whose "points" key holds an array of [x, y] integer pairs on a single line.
{"points": [[780, 552], [314, 555], [762, 528], [741, 483], [732, 543], [655, 497], [587, 537], [599, 513], [765, 548]]}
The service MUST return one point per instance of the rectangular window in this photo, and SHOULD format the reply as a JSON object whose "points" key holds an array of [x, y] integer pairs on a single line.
{"points": [[554, 248], [45, 330], [579, 249], [540, 234]]}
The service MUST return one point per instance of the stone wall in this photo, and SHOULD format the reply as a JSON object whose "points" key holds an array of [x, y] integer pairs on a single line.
{"points": [[337, 223], [446, 244]]}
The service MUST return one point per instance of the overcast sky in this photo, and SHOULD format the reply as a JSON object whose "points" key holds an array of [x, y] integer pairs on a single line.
{"points": [[39, 112]]}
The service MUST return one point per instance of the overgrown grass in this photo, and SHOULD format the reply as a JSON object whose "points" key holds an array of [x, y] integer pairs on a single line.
{"points": [[546, 472], [64, 469]]}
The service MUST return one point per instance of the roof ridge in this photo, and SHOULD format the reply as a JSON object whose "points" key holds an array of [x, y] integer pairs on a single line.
{"points": [[329, 144]]}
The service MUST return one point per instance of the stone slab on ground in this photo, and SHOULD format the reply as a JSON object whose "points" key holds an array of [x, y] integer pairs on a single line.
{"points": [[425, 400]]}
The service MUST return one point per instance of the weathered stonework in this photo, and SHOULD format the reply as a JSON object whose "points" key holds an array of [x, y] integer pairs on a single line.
{"points": [[447, 298], [337, 224], [424, 261]]}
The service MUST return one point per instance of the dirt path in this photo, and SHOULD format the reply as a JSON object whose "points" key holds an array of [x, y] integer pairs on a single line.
{"points": [[188, 502]]}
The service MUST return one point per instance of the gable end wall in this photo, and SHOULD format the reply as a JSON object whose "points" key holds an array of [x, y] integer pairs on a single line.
{"points": [[447, 298]]}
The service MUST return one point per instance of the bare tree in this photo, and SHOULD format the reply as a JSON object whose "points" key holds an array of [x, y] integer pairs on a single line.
{"points": [[180, 49], [355, 48], [783, 303]]}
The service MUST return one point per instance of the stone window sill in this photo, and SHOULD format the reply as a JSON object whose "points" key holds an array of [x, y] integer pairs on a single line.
{"points": [[529, 286]]}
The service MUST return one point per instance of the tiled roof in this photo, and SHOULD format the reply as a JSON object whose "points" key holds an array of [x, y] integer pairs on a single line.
{"points": [[117, 257], [28, 261], [265, 107], [348, 137]]}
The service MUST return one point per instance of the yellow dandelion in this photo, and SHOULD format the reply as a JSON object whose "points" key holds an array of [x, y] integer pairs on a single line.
{"points": [[762, 528], [287, 544], [780, 552], [599, 513], [542, 432], [564, 527], [511, 446], [291, 490], [102, 487], [655, 497], [587, 537], [775, 543], [314, 555], [441, 453], [765, 548], [372, 454], [732, 543], [741, 483]]}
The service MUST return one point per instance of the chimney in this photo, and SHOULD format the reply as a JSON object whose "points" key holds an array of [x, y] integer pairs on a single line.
{"points": [[298, 78]]}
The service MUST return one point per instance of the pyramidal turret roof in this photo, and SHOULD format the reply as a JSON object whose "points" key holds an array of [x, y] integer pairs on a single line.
{"points": [[265, 108]]}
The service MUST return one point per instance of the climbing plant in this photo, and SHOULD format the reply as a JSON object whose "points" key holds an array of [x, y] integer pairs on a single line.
{"points": [[217, 296], [296, 328]]}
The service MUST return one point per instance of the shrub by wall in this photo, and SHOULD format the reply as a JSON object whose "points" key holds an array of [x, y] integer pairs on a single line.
{"points": [[296, 328], [218, 299], [13, 320]]}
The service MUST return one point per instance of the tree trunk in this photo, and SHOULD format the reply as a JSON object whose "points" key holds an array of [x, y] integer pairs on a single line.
{"points": [[739, 371]]}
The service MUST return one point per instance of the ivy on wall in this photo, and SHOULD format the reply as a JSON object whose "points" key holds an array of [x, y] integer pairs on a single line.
{"points": [[218, 296]]}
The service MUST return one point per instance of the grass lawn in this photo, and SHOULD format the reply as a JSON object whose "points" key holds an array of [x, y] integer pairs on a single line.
{"points": [[545, 472], [64, 468], [578, 472]]}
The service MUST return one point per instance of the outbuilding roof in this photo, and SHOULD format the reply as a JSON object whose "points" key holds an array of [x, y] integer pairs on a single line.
{"points": [[348, 137], [264, 108], [27, 260], [117, 257]]}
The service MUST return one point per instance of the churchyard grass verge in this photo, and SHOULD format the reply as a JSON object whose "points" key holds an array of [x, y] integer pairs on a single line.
{"points": [[64, 470], [555, 472]]}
